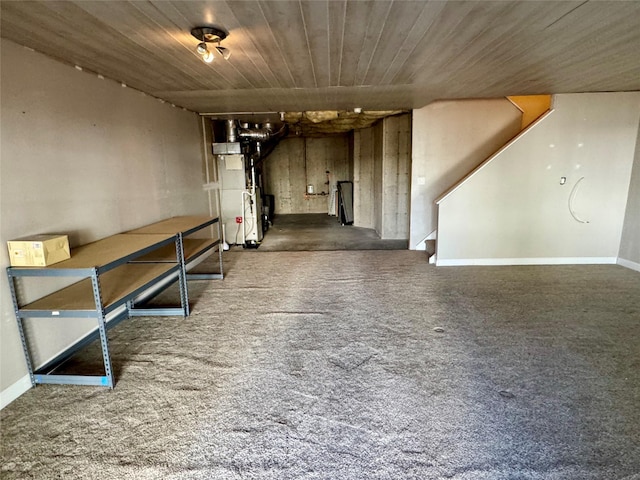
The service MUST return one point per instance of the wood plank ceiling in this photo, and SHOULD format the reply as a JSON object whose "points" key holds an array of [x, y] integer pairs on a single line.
{"points": [[334, 55]]}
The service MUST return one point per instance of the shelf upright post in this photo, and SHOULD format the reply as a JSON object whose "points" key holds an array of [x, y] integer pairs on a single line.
{"points": [[182, 274], [220, 247], [23, 338], [104, 341]]}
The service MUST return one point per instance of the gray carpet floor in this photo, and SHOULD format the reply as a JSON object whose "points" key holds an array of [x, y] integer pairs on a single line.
{"points": [[356, 365]]}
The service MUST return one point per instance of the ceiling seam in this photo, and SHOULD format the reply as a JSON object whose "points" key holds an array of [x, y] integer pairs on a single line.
{"points": [[344, 19], [250, 38], [306, 36], [415, 22], [275, 41], [375, 47], [568, 13]]}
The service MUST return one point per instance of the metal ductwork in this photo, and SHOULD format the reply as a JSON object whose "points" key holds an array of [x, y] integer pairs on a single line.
{"points": [[231, 131], [257, 133], [243, 138]]}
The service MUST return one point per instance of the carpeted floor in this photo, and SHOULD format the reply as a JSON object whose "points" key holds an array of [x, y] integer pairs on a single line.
{"points": [[357, 365]]}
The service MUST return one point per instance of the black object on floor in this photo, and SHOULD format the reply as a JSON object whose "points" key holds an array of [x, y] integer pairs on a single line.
{"points": [[345, 202]]}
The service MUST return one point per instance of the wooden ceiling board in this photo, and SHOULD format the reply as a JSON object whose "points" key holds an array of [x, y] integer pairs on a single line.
{"points": [[315, 16], [288, 29], [415, 36], [393, 35], [434, 44], [263, 42], [326, 55], [335, 28], [465, 44], [375, 19], [604, 50]]}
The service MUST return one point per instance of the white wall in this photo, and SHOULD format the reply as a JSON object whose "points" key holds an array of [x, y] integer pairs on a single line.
{"points": [[86, 157], [451, 138], [630, 244], [514, 209]]}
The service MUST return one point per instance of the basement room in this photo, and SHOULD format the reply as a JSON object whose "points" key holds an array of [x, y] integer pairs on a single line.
{"points": [[320, 239]]}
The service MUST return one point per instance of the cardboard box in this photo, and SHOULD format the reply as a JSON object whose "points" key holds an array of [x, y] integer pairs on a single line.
{"points": [[38, 250]]}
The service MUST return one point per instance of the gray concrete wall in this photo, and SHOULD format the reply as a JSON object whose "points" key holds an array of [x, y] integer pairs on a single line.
{"points": [[378, 161], [630, 243], [298, 162], [515, 210], [451, 138], [396, 177], [363, 191], [85, 157]]}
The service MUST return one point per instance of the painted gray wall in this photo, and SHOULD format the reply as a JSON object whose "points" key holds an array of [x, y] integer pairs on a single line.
{"points": [[514, 209], [451, 138], [630, 244], [89, 158]]}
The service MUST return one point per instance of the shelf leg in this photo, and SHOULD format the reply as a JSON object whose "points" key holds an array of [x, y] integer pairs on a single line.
{"points": [[220, 248], [102, 328], [23, 338], [182, 274]]}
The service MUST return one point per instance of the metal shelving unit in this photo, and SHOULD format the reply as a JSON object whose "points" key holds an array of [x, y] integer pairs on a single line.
{"points": [[109, 285], [192, 248]]}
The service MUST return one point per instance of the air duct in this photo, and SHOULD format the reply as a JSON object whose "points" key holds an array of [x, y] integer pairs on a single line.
{"points": [[231, 131]]}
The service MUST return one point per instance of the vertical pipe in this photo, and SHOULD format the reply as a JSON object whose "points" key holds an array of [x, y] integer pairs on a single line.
{"points": [[231, 131]]}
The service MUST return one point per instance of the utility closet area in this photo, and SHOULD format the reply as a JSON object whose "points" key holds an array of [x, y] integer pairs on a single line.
{"points": [[338, 172]]}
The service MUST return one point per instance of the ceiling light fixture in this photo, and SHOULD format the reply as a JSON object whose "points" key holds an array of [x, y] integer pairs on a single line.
{"points": [[207, 35]]}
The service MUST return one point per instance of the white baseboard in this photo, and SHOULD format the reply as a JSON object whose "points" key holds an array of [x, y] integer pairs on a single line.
{"points": [[12, 392], [526, 261], [629, 264]]}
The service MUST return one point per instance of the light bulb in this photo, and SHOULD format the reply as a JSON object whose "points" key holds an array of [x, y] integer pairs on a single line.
{"points": [[208, 57], [202, 48]]}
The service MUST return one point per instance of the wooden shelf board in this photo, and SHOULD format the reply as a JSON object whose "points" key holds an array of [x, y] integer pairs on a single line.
{"points": [[108, 250], [115, 286], [191, 247], [174, 225]]}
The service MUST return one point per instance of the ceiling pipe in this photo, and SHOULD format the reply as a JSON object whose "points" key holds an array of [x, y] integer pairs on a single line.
{"points": [[258, 134]]}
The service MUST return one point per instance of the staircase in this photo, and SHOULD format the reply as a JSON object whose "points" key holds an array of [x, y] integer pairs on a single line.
{"points": [[534, 109]]}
